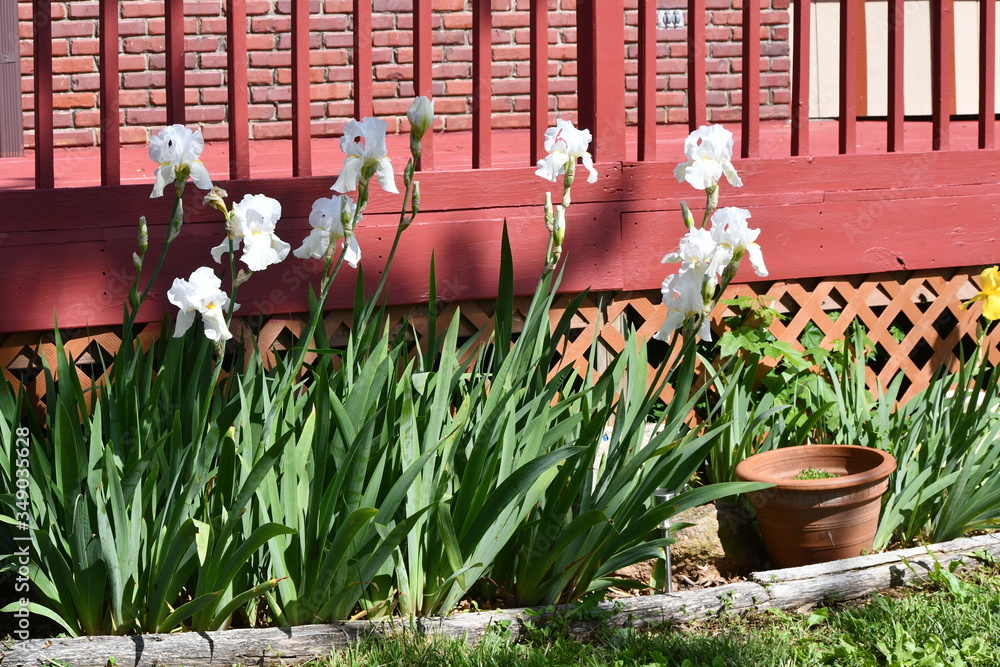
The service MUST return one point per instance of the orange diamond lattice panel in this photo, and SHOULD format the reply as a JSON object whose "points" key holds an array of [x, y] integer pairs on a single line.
{"points": [[913, 318]]}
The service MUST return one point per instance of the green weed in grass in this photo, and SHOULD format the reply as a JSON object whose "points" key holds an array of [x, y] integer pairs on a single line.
{"points": [[933, 624]]}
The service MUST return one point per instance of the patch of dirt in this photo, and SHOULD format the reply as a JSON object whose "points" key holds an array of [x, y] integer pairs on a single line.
{"points": [[720, 546]]}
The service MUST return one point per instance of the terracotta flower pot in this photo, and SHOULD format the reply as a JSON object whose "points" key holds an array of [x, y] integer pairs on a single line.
{"points": [[806, 521]]}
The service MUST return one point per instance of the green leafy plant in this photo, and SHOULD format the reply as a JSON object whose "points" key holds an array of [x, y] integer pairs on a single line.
{"points": [[815, 473]]}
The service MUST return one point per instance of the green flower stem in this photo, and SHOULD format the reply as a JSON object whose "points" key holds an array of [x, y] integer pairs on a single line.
{"points": [[132, 310], [232, 278], [404, 222], [291, 370]]}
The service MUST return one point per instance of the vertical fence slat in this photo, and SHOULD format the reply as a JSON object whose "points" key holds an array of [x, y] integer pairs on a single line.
{"points": [[42, 36], [173, 18], [301, 112], [802, 36], [239, 127], [697, 110], [647, 80], [896, 110], [363, 59], [751, 79], [987, 72], [482, 83], [942, 71], [601, 75], [423, 72], [539, 65], [847, 129], [109, 88]]}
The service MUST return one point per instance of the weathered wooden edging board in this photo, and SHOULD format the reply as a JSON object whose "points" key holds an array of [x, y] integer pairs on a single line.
{"points": [[783, 589]]}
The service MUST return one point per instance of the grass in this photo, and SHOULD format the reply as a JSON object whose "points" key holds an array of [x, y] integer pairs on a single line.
{"points": [[948, 621]]}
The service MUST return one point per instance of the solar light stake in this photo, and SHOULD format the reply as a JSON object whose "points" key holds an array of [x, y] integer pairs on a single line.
{"points": [[661, 496]]}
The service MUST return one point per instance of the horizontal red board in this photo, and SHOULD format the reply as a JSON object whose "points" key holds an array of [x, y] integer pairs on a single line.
{"points": [[67, 253]]}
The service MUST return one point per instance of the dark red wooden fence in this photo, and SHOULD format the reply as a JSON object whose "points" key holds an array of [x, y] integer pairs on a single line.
{"points": [[821, 215]]}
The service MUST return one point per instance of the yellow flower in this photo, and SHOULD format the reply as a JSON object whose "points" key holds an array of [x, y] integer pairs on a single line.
{"points": [[990, 294]]}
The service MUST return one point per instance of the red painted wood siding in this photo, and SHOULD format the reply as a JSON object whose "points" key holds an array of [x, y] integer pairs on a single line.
{"points": [[68, 251], [832, 215]]}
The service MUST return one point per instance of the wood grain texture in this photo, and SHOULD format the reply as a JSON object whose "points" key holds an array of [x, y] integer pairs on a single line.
{"points": [[539, 68], [362, 59], [750, 109], [42, 64], [848, 106], [942, 71], [301, 126], [800, 76], [238, 90], [647, 81], [110, 138], [832, 215], [173, 19], [784, 589], [601, 76], [987, 72], [697, 55], [896, 69]]}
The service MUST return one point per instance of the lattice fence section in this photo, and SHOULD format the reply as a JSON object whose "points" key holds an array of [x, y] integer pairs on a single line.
{"points": [[913, 318]]}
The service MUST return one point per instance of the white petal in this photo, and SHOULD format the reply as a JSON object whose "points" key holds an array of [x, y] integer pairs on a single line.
{"points": [[703, 174], [680, 171], [352, 254], [373, 130], [259, 253], [199, 174], [706, 329], [757, 260], [221, 249], [314, 246], [674, 321], [349, 175], [385, 176], [215, 324], [588, 162], [164, 177], [551, 166], [730, 171], [185, 318]]}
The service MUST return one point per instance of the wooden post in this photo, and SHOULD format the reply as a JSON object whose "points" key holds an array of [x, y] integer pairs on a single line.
{"points": [[601, 75], [173, 19], [800, 77], [44, 170], [697, 112], [301, 111], [539, 79], [110, 137], [239, 93]]}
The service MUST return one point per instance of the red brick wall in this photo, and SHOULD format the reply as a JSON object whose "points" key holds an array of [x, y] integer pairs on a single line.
{"points": [[75, 48]]}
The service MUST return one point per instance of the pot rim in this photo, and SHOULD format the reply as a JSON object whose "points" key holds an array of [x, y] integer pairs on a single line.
{"points": [[883, 465]]}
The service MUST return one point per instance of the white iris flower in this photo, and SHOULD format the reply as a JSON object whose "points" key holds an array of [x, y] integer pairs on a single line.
{"points": [[730, 231], [364, 145], [176, 150], [253, 223], [565, 144], [709, 151], [201, 293], [326, 226], [683, 297]]}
